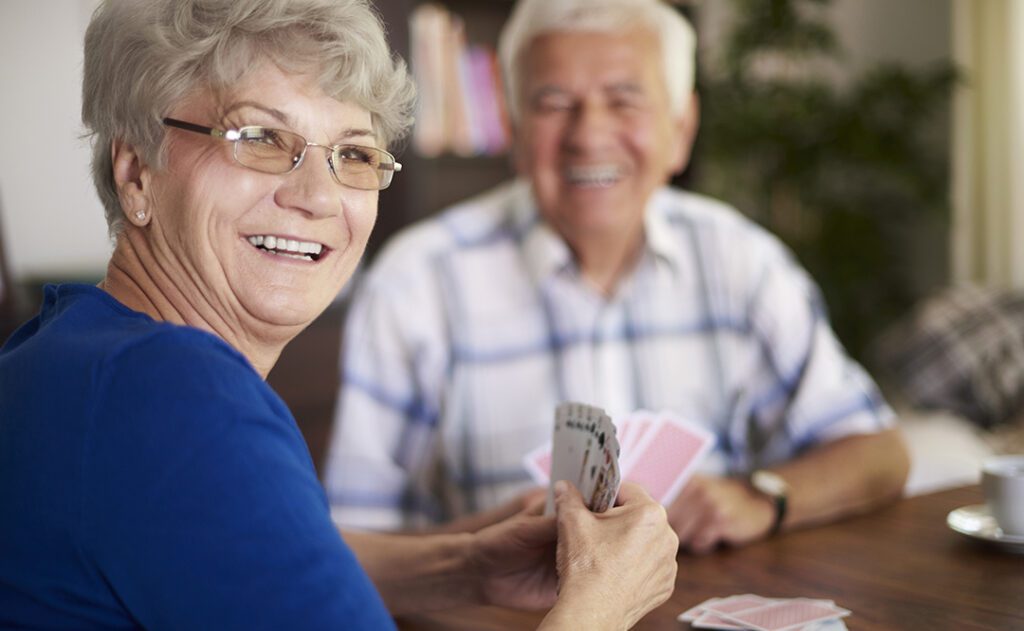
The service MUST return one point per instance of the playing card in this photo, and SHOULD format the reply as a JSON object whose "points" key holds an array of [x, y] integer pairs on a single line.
{"points": [[695, 612], [635, 426], [585, 452], [538, 464], [732, 604], [726, 613], [712, 620], [835, 624], [666, 456], [736, 604], [603, 485], [795, 613]]}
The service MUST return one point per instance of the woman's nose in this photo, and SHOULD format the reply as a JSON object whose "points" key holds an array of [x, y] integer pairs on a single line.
{"points": [[311, 187]]}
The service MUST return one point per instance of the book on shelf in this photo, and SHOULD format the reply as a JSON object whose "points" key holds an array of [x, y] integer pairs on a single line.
{"points": [[461, 107]]}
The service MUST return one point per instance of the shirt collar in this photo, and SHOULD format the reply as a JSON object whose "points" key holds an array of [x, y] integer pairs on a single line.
{"points": [[658, 230], [546, 253]]}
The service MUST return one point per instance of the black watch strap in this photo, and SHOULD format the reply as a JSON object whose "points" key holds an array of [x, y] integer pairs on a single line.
{"points": [[779, 501], [773, 487]]}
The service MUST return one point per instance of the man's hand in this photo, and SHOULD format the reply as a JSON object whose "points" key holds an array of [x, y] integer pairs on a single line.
{"points": [[710, 511], [843, 477], [515, 560]]}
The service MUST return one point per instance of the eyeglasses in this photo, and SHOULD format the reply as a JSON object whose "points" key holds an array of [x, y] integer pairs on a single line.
{"points": [[278, 151]]}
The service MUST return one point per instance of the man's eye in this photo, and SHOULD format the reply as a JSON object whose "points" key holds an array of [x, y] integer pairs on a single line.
{"points": [[625, 104], [552, 105], [551, 101]]}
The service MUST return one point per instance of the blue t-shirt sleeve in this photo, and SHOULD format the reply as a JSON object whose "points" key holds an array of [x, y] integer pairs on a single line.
{"points": [[200, 504]]}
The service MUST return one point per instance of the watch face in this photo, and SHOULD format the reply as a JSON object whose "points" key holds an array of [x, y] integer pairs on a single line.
{"points": [[769, 483]]}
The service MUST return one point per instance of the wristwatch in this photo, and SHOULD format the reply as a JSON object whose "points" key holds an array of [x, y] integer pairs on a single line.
{"points": [[772, 486]]}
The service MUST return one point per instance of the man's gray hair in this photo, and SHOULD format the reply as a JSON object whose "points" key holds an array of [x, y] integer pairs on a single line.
{"points": [[532, 18], [142, 57]]}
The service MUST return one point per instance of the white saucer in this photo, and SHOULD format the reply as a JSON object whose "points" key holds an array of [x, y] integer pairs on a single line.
{"points": [[975, 522]]}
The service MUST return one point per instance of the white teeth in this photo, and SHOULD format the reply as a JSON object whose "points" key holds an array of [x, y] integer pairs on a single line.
{"points": [[287, 247], [601, 176]]}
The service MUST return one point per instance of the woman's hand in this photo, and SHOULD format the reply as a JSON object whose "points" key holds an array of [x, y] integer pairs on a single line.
{"points": [[613, 567], [515, 559]]}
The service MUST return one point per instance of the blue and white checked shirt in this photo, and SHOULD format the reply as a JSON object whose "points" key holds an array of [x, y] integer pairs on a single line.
{"points": [[473, 325]]}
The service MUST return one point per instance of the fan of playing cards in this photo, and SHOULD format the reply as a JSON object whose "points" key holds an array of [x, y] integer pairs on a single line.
{"points": [[749, 611], [659, 452]]}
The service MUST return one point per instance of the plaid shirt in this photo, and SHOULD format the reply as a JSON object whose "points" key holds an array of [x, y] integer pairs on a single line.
{"points": [[472, 326]]}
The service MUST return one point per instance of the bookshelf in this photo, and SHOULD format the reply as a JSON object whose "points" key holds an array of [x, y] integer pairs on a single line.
{"points": [[428, 184]]}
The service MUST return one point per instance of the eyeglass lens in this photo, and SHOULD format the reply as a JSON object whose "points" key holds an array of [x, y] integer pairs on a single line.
{"points": [[278, 151]]}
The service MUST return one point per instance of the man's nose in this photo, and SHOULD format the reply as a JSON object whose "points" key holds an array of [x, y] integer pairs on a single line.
{"points": [[591, 126]]}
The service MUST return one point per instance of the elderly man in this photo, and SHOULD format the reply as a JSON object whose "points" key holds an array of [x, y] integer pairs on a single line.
{"points": [[589, 279]]}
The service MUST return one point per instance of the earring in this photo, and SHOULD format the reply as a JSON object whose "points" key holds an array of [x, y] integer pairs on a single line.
{"points": [[140, 215]]}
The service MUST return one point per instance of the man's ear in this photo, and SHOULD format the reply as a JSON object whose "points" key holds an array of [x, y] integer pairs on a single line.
{"points": [[686, 127], [132, 181]]}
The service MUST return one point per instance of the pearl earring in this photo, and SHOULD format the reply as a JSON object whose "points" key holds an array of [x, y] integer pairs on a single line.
{"points": [[140, 215]]}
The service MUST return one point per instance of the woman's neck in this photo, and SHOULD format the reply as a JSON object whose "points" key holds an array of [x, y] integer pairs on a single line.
{"points": [[135, 279]]}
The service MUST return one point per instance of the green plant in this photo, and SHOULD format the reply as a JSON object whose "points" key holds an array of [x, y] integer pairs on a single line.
{"points": [[843, 173]]}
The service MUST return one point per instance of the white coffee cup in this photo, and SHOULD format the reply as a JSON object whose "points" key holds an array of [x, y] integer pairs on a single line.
{"points": [[1002, 482]]}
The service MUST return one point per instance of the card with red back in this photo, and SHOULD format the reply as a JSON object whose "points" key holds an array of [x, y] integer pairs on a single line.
{"points": [[622, 430], [695, 612], [712, 620], [634, 426], [538, 464], [667, 455], [708, 612], [795, 613], [736, 604]]}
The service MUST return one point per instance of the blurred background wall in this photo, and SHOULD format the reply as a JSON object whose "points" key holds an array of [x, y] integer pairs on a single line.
{"points": [[52, 225], [51, 220]]}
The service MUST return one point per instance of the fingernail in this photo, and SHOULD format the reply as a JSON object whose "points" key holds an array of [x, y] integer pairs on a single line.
{"points": [[560, 488]]}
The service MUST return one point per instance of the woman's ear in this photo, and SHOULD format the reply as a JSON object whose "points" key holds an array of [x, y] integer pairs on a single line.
{"points": [[131, 178]]}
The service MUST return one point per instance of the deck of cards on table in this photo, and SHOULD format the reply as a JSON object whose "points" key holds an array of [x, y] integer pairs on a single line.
{"points": [[749, 611], [659, 452]]}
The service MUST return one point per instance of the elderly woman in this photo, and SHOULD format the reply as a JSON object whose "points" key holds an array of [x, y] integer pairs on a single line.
{"points": [[148, 475]]}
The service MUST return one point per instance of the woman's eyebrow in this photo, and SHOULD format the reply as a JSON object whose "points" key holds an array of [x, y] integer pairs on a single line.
{"points": [[275, 113], [348, 134]]}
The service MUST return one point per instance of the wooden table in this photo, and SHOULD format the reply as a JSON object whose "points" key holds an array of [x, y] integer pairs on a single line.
{"points": [[898, 568]]}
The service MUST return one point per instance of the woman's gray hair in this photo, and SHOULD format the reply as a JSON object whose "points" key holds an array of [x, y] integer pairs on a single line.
{"points": [[142, 57], [532, 18]]}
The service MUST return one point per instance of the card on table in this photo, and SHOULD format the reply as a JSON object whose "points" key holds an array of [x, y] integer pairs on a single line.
{"points": [[795, 613], [757, 613]]}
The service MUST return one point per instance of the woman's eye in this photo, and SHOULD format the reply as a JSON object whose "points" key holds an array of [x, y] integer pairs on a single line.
{"points": [[268, 137], [356, 154]]}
